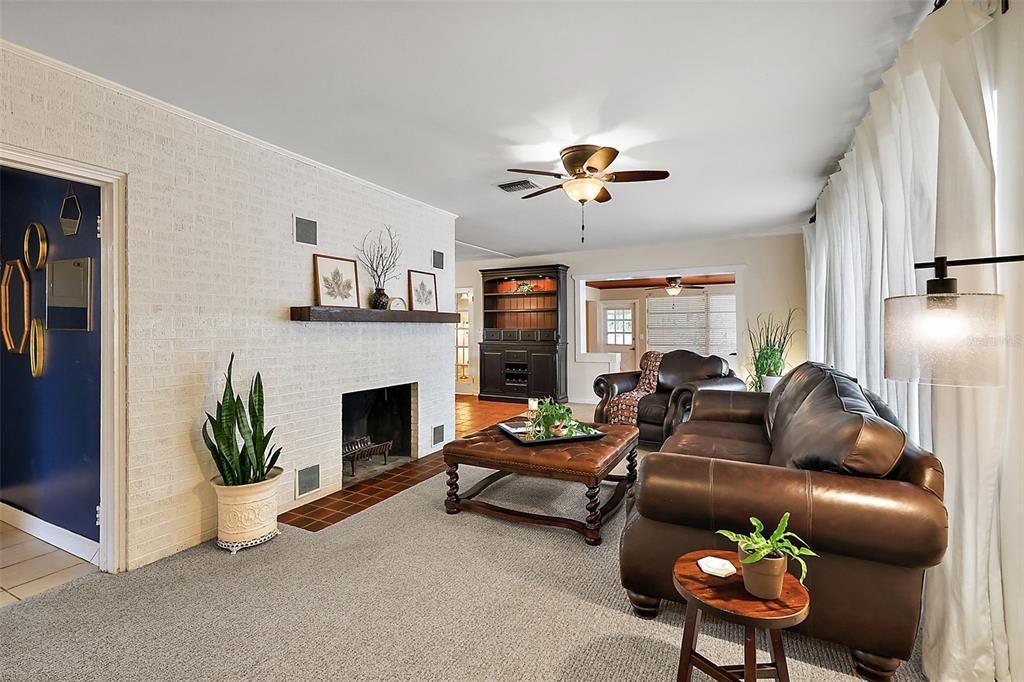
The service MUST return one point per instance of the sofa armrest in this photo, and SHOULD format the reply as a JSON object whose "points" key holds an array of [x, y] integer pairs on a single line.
{"points": [[729, 406], [879, 520], [607, 386]]}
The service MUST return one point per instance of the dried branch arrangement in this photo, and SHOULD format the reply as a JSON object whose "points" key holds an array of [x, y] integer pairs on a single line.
{"points": [[380, 256]]}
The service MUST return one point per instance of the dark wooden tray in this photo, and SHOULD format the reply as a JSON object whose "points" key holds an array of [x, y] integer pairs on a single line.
{"points": [[506, 428]]}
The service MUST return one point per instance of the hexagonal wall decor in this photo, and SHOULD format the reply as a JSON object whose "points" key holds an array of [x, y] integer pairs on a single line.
{"points": [[70, 215], [14, 275]]}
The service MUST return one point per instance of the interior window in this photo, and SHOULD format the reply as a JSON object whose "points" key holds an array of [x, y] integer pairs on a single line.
{"points": [[619, 326]]}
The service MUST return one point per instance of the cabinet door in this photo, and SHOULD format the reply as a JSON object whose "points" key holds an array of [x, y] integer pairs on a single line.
{"points": [[543, 373], [492, 371]]}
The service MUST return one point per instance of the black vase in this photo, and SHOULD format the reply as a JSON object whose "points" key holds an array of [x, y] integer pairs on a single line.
{"points": [[379, 300]]}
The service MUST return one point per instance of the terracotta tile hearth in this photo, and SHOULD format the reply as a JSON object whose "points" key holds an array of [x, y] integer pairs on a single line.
{"points": [[471, 415], [328, 510]]}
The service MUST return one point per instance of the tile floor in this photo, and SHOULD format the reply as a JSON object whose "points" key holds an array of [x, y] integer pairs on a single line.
{"points": [[29, 566], [471, 414]]}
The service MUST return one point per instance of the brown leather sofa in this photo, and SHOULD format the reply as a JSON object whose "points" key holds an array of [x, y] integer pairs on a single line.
{"points": [[681, 374], [866, 499]]}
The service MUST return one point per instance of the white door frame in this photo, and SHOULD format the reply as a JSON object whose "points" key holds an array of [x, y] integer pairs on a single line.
{"points": [[113, 553]]}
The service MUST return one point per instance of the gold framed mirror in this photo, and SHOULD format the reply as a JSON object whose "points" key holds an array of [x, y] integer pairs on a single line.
{"points": [[15, 277], [38, 260], [36, 349]]}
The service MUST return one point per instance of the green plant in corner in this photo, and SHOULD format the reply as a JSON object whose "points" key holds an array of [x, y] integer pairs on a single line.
{"points": [[770, 340], [239, 446], [779, 543]]}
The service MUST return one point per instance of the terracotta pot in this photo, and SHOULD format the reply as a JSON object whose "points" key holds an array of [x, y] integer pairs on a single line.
{"points": [[763, 578], [246, 514], [558, 430], [379, 299]]}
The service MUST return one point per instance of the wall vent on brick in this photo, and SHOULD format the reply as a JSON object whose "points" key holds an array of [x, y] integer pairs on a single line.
{"points": [[307, 480], [439, 434], [305, 231], [439, 260]]}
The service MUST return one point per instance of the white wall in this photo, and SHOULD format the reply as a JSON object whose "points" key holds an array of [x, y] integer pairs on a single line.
{"points": [[769, 271], [212, 270]]}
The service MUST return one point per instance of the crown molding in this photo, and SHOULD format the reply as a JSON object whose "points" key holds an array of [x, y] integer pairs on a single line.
{"points": [[50, 62]]}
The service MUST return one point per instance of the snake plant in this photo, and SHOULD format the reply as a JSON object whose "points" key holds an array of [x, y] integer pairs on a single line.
{"points": [[239, 446]]}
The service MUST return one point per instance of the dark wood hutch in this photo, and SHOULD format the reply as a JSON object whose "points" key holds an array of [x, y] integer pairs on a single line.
{"points": [[523, 352]]}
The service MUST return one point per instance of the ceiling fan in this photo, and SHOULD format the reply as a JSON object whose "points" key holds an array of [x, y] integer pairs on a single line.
{"points": [[674, 286], [585, 174]]}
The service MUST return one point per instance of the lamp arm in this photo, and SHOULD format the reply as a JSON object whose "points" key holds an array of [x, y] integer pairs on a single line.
{"points": [[942, 262]]}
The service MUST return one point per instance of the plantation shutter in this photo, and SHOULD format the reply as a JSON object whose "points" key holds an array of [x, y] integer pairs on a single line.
{"points": [[703, 323]]}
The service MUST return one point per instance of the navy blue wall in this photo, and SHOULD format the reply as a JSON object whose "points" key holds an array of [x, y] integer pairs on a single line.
{"points": [[50, 426]]}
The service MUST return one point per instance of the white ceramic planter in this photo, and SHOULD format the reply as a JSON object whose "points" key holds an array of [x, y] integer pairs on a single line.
{"points": [[246, 514], [769, 382]]}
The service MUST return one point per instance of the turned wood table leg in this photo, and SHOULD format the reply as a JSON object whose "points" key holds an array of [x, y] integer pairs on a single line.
{"points": [[631, 466], [593, 516], [453, 489], [779, 656], [749, 653], [689, 641]]}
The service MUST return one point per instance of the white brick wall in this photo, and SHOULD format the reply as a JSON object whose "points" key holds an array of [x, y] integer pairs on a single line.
{"points": [[212, 270]]}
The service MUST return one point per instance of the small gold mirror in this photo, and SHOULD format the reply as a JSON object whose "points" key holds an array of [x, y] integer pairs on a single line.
{"points": [[35, 246], [36, 349]]}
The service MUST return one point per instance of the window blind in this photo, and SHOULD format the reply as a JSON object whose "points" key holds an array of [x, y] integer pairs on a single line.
{"points": [[704, 323]]}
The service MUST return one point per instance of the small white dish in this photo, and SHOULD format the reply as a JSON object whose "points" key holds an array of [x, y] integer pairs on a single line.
{"points": [[720, 568]]}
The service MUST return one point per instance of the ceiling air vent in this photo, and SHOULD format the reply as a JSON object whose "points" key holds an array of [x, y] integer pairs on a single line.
{"points": [[518, 186]]}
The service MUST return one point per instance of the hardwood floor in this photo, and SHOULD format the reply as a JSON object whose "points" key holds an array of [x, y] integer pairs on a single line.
{"points": [[473, 414]]}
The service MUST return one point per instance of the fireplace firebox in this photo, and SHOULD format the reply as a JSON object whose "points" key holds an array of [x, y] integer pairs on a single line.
{"points": [[376, 430]]}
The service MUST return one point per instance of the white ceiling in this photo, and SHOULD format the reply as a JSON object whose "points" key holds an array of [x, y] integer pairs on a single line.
{"points": [[747, 104]]}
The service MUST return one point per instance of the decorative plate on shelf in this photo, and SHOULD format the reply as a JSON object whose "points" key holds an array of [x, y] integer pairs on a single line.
{"points": [[520, 432]]}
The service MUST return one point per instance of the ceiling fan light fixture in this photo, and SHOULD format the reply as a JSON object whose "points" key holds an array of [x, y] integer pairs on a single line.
{"points": [[673, 290], [583, 189]]}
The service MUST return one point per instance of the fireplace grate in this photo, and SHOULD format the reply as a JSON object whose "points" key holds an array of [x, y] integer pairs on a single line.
{"points": [[362, 449]]}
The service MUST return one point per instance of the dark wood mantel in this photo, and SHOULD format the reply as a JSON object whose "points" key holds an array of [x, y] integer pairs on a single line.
{"points": [[313, 313]]}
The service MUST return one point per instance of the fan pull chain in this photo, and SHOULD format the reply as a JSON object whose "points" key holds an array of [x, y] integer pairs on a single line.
{"points": [[583, 226]]}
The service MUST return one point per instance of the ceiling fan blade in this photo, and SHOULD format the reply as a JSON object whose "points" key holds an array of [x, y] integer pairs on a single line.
{"points": [[552, 188], [536, 172], [636, 176], [601, 159], [603, 196]]}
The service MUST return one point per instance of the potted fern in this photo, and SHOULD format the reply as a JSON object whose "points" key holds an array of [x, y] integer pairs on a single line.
{"points": [[247, 485], [765, 559], [770, 340]]}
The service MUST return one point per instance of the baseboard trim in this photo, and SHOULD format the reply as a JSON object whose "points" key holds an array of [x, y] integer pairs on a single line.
{"points": [[83, 548]]}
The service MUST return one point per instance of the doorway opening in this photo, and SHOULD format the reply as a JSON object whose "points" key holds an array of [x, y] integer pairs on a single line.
{"points": [[628, 316], [62, 400]]}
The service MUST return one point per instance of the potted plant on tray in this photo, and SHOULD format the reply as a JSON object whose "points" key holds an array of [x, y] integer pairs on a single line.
{"points": [[770, 340], [247, 485], [554, 420], [764, 559]]}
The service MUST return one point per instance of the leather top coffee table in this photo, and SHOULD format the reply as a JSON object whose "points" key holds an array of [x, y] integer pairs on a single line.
{"points": [[588, 462], [729, 600]]}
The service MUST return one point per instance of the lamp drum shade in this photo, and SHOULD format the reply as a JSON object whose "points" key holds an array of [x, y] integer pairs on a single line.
{"points": [[946, 339]]}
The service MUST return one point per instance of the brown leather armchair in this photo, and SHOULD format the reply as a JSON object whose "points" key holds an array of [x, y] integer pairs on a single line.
{"points": [[866, 499], [681, 374]]}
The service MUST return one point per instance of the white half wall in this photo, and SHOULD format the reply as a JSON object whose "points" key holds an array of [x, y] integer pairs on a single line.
{"points": [[213, 269], [769, 272]]}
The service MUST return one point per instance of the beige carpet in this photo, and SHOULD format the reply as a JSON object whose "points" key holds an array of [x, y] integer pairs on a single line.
{"points": [[402, 591]]}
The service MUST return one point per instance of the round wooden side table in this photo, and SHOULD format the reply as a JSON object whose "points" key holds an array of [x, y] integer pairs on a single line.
{"points": [[729, 600]]}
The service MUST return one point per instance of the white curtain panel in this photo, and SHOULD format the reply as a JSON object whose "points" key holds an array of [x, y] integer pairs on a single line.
{"points": [[919, 181]]}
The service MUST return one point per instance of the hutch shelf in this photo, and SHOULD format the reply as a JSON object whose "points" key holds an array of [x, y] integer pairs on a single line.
{"points": [[523, 352]]}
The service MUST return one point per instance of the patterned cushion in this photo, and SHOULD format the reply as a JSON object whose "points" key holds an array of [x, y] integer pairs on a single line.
{"points": [[622, 409]]}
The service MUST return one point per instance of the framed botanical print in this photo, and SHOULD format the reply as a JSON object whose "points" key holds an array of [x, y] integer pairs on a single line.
{"points": [[422, 291], [337, 281]]}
